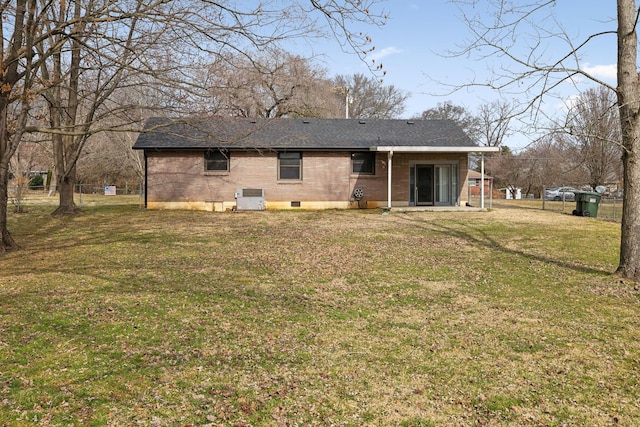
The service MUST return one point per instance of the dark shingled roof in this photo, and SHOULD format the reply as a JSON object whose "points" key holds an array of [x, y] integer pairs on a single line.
{"points": [[299, 134]]}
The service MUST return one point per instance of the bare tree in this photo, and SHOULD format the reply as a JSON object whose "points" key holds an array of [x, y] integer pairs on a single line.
{"points": [[87, 64], [506, 170], [459, 114], [537, 75], [28, 158], [18, 61], [495, 122], [592, 136], [270, 84], [542, 164], [370, 98], [108, 159]]}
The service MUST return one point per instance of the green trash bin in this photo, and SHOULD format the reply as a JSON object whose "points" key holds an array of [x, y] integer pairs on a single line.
{"points": [[587, 203]]}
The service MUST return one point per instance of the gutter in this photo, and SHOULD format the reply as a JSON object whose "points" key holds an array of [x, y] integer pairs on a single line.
{"points": [[425, 149]]}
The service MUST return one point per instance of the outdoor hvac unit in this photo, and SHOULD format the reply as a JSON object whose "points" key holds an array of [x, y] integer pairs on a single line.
{"points": [[250, 199]]}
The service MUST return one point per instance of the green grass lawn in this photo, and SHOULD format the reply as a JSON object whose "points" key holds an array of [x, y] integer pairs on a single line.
{"points": [[122, 316]]}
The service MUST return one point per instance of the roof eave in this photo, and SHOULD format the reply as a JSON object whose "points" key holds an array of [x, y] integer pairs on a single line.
{"points": [[427, 149]]}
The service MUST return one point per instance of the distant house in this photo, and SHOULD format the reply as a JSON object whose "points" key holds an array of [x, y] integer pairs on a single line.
{"points": [[222, 163], [475, 183]]}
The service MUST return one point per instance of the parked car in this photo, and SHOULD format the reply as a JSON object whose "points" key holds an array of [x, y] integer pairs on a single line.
{"points": [[560, 193]]}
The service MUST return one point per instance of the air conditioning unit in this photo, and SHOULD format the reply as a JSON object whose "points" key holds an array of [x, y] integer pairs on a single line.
{"points": [[250, 199]]}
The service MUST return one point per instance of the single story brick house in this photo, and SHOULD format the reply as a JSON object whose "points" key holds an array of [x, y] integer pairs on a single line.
{"points": [[218, 164]]}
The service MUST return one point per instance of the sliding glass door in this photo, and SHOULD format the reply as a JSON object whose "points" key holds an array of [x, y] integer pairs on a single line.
{"points": [[424, 185], [433, 185]]}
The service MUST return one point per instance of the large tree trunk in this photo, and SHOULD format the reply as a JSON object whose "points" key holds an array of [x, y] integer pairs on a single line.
{"points": [[64, 112], [8, 147], [66, 185], [10, 57], [630, 243], [6, 241], [629, 105]]}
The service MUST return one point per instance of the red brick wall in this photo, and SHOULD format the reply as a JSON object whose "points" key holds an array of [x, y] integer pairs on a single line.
{"points": [[179, 176]]}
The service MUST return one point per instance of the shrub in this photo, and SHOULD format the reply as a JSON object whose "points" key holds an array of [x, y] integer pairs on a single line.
{"points": [[36, 182]]}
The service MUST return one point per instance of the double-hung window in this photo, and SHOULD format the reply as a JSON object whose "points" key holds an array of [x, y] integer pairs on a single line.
{"points": [[290, 166], [216, 161], [363, 162]]}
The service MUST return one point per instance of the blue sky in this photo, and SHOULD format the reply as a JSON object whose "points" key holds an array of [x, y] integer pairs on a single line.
{"points": [[413, 47]]}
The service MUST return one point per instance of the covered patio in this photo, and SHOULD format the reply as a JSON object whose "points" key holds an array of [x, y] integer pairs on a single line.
{"points": [[391, 150]]}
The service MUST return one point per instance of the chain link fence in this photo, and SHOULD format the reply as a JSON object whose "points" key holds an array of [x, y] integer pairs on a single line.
{"points": [[24, 195], [609, 208]]}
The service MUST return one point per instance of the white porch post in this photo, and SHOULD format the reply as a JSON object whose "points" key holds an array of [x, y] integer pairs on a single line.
{"points": [[482, 180], [389, 167]]}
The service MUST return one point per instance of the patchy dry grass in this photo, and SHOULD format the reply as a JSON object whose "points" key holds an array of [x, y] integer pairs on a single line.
{"points": [[122, 316], [609, 209]]}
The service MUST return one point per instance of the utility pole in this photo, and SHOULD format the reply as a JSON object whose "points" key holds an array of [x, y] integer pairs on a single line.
{"points": [[347, 99], [345, 90]]}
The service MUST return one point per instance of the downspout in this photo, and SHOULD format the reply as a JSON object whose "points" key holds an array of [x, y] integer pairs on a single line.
{"points": [[482, 180], [146, 178], [390, 164]]}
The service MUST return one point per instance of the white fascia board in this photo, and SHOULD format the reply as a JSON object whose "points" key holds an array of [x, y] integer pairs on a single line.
{"points": [[425, 149]]}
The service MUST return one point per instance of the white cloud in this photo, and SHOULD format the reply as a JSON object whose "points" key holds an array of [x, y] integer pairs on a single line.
{"points": [[377, 55], [605, 72]]}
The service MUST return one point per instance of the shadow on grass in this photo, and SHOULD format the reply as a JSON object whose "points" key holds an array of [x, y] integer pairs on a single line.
{"points": [[490, 242]]}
